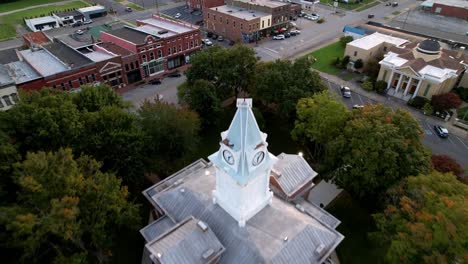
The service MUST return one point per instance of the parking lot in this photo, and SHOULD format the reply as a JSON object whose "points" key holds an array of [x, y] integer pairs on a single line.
{"points": [[185, 14], [452, 146]]}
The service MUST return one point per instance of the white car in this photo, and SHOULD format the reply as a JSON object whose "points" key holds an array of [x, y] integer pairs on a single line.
{"points": [[178, 15], [87, 21], [79, 32], [313, 17], [295, 31], [358, 106], [279, 37], [207, 42]]}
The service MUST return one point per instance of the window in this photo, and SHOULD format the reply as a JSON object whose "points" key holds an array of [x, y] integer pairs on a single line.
{"points": [[355, 53], [159, 53], [126, 67], [174, 49], [208, 15], [180, 47], [242, 26], [142, 50], [196, 43], [151, 56], [7, 100], [250, 27], [54, 86], [154, 67], [427, 89], [234, 23], [227, 21], [220, 19], [187, 46], [158, 45], [143, 58], [150, 47], [137, 64], [15, 97], [191, 44], [214, 17], [169, 51], [438, 9], [384, 49], [131, 66], [63, 86], [70, 84], [87, 79], [263, 23], [268, 22], [80, 80]]}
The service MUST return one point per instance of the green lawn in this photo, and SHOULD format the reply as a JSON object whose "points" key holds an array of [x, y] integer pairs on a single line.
{"points": [[325, 57], [396, 13], [350, 6], [135, 7], [463, 113], [372, 4], [356, 222], [9, 5], [8, 22]]}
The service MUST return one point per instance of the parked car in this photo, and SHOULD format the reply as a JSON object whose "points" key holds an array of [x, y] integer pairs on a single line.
{"points": [[155, 81], [302, 14], [395, 4], [174, 74], [87, 21], [358, 106], [77, 24], [178, 15], [370, 16], [214, 36], [128, 9], [442, 114], [388, 4], [279, 37], [207, 42], [287, 35], [220, 38], [295, 32], [209, 34], [441, 131], [232, 42], [346, 92], [79, 32]]}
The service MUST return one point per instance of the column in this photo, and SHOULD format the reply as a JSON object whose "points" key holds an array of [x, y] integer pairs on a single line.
{"points": [[417, 89], [390, 79], [399, 83], [408, 85]]}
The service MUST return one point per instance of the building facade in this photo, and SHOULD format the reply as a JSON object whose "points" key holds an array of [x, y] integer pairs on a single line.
{"points": [[450, 8], [422, 69], [247, 21], [203, 4]]}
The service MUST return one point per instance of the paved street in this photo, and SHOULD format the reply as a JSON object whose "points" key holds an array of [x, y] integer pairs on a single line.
{"points": [[167, 89], [454, 146]]}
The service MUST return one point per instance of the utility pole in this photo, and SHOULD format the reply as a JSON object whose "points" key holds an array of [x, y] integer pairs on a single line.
{"points": [[406, 18]]}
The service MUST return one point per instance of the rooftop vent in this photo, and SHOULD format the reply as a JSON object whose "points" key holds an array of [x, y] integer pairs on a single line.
{"points": [[285, 239], [253, 15], [208, 254], [202, 226], [182, 190], [320, 249], [162, 32]]}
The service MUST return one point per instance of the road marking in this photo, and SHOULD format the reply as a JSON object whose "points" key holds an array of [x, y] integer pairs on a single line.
{"points": [[461, 142], [360, 99], [272, 50], [451, 141]]}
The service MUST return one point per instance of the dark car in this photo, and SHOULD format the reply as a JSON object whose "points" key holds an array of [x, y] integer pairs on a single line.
{"points": [[77, 24], [370, 16], [220, 38], [155, 81], [441, 131], [395, 4], [287, 35], [232, 42], [174, 74], [346, 92], [214, 36], [209, 34]]}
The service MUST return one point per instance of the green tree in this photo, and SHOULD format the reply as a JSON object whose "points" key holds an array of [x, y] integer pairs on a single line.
{"points": [[345, 40], [171, 136], [201, 97], [230, 70], [376, 149], [367, 85], [282, 83], [42, 120], [8, 157], [428, 109], [67, 210], [320, 119], [114, 137], [358, 64], [94, 98], [426, 222], [380, 86]]}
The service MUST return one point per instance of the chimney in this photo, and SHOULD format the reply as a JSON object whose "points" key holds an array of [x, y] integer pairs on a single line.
{"points": [[460, 52]]}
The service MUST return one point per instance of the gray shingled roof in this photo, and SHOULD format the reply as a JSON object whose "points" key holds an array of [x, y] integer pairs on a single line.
{"points": [[67, 55], [5, 78], [292, 172], [262, 240], [188, 242], [317, 213], [157, 228], [130, 34]]}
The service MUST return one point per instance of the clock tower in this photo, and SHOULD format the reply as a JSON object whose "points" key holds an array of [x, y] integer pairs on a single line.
{"points": [[243, 166]]}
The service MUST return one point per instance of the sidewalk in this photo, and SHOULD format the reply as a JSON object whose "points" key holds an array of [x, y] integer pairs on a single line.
{"points": [[391, 101]]}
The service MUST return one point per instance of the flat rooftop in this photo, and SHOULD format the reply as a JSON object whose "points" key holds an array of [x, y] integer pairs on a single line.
{"points": [[129, 34], [43, 62], [239, 12], [375, 39], [151, 30], [166, 24], [22, 72], [457, 3], [5, 78], [92, 9], [115, 49], [67, 55], [42, 20], [97, 56], [268, 3]]}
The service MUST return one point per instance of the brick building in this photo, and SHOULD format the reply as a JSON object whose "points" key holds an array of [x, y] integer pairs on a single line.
{"points": [[162, 45], [451, 8], [203, 4], [246, 21]]}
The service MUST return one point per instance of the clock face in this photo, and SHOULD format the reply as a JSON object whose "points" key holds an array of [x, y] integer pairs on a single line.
{"points": [[228, 157], [258, 158]]}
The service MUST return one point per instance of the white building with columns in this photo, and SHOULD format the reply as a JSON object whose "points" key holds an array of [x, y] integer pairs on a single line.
{"points": [[422, 69], [224, 212]]}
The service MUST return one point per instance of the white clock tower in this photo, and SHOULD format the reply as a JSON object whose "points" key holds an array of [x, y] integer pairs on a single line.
{"points": [[243, 166]]}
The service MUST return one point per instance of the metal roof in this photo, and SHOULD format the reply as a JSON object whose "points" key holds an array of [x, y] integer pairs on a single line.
{"points": [[43, 62], [22, 72], [191, 241], [354, 30], [278, 232], [8, 55], [157, 228], [292, 172], [5, 78]]}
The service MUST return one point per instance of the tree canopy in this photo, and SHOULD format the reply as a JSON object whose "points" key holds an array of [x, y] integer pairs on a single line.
{"points": [[67, 210], [92, 99], [375, 150], [446, 101], [426, 222]]}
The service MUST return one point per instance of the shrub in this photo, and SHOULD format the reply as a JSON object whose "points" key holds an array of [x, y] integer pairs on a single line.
{"points": [[372, 68], [358, 64], [428, 109], [345, 40], [446, 101], [321, 20], [337, 62], [344, 62], [367, 85], [444, 163], [462, 92], [418, 102], [380, 86]]}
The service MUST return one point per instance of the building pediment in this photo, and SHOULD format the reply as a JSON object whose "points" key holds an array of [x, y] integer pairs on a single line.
{"points": [[110, 66], [408, 70]]}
